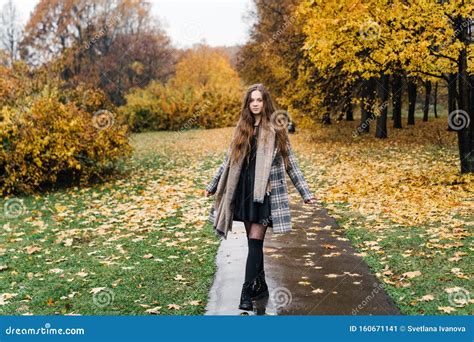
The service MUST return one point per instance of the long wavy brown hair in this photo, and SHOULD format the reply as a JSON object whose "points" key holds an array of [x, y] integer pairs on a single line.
{"points": [[241, 142]]}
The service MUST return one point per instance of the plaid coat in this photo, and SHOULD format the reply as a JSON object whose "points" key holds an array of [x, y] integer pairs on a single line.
{"points": [[280, 204]]}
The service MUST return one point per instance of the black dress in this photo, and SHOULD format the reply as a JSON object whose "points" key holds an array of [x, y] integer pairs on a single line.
{"points": [[245, 208]]}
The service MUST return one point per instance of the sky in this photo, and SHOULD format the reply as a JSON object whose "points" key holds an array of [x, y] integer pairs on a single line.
{"points": [[216, 22]]}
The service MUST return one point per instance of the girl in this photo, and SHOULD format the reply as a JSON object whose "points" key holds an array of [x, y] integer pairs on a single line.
{"points": [[250, 185]]}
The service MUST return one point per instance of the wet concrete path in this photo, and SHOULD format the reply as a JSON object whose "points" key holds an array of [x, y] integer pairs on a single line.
{"points": [[313, 270]]}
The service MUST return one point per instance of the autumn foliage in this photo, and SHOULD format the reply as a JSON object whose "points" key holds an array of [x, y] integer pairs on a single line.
{"points": [[54, 135], [324, 58], [204, 92]]}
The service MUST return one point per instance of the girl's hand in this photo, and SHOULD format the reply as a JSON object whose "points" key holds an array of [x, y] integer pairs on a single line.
{"points": [[311, 201], [207, 193]]}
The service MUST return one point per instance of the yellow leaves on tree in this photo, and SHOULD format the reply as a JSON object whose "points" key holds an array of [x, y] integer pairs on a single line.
{"points": [[54, 139]]}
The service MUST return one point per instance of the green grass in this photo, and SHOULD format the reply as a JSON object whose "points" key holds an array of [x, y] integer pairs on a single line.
{"points": [[433, 263], [112, 227]]}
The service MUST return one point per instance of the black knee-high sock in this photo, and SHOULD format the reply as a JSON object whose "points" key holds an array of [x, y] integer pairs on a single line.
{"points": [[254, 259]]}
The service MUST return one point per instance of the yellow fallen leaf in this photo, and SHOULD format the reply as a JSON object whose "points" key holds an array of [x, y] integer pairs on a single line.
{"points": [[426, 298], [178, 277], [174, 306], [331, 275], [154, 311], [60, 208], [32, 249], [56, 270], [317, 291], [446, 309], [411, 274], [96, 290], [455, 289]]}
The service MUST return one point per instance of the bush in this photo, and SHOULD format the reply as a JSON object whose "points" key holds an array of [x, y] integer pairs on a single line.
{"points": [[159, 107], [205, 92], [58, 137]]}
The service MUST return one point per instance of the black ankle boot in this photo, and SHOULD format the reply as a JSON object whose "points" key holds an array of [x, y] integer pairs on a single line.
{"points": [[245, 299], [259, 287]]}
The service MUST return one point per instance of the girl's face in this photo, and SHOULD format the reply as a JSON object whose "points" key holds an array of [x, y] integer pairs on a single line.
{"points": [[256, 102]]}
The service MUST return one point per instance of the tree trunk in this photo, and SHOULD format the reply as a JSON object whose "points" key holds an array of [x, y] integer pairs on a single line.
{"points": [[366, 105], [426, 108], [381, 129], [326, 120], [452, 88], [348, 106], [464, 123], [435, 100], [411, 102], [397, 100]]}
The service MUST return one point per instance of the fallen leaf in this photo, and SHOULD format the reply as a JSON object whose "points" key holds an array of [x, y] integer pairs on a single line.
{"points": [[174, 306], [317, 291], [411, 274], [154, 311], [56, 270], [96, 290], [32, 249], [426, 298], [446, 309]]}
